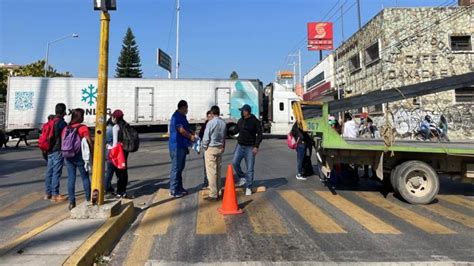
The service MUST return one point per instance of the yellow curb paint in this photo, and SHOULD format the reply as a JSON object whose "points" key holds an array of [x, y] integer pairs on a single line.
{"points": [[155, 221], [209, 221], [451, 215], [11, 245], [458, 200], [313, 215], [264, 217], [410, 217], [20, 204], [103, 239], [364, 218]]}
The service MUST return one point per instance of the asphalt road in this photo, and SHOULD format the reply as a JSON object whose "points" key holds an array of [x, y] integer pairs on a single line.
{"points": [[292, 221]]}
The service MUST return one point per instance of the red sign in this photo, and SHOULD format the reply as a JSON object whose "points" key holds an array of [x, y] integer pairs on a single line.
{"points": [[320, 36], [315, 93]]}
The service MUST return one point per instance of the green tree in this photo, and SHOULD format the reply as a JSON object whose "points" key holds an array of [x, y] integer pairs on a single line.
{"points": [[3, 83], [128, 65], [234, 75]]}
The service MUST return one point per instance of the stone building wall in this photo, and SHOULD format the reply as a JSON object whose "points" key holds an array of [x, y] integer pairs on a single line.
{"points": [[414, 46]]}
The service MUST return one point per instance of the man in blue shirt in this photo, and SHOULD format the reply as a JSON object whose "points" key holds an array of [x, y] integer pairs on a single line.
{"points": [[181, 138]]}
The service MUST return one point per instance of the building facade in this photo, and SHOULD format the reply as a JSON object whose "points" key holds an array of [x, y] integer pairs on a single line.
{"points": [[404, 46], [319, 82]]}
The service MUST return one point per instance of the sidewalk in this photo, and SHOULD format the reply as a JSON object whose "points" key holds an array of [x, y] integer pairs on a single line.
{"points": [[55, 245], [69, 241]]}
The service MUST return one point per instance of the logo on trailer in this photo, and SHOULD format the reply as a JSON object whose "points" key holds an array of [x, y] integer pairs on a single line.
{"points": [[89, 95]]}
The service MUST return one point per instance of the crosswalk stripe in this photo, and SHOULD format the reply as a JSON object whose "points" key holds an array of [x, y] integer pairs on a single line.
{"points": [[264, 218], [155, 221], [411, 217], [458, 201], [451, 215], [20, 204], [366, 219], [313, 215], [3, 193], [209, 221]]}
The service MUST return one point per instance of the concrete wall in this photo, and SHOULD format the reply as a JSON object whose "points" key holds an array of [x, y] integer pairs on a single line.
{"points": [[414, 46]]}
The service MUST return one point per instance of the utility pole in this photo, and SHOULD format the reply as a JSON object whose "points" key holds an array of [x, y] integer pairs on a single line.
{"points": [[100, 119], [177, 38], [358, 14], [342, 22], [297, 55], [299, 67]]}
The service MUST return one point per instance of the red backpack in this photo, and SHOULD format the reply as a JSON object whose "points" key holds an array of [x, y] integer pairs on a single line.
{"points": [[47, 135]]}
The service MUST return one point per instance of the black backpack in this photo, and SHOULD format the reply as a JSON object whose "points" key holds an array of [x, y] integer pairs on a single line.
{"points": [[130, 139]]}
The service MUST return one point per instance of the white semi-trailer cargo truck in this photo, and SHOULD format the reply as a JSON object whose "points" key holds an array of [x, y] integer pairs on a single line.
{"points": [[147, 102]]}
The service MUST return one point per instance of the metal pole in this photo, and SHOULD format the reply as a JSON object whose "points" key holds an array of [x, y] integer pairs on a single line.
{"points": [[358, 14], [100, 119], [294, 75], [320, 55], [299, 66], [46, 62], [177, 38], [342, 22]]}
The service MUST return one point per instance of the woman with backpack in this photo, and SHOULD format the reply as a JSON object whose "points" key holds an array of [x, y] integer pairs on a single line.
{"points": [[304, 144], [72, 149], [118, 137]]}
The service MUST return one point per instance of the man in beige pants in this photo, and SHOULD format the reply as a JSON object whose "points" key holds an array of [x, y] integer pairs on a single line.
{"points": [[213, 143]]}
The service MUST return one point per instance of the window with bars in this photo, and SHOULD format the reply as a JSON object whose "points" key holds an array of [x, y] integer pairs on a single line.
{"points": [[461, 43]]}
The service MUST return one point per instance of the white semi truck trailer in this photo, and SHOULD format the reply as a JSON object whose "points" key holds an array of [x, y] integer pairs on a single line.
{"points": [[147, 102]]}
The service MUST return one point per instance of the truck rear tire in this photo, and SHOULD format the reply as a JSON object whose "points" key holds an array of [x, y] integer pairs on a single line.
{"points": [[416, 182]]}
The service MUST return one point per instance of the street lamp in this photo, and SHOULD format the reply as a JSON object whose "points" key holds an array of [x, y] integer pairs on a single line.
{"points": [[74, 35]]}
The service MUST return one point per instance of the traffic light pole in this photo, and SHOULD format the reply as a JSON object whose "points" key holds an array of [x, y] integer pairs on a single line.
{"points": [[100, 120]]}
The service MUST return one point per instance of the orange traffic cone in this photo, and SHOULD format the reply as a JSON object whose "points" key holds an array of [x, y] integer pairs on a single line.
{"points": [[229, 203]]}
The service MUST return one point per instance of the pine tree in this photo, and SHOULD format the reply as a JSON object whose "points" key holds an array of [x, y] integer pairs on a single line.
{"points": [[234, 75], [128, 65]]}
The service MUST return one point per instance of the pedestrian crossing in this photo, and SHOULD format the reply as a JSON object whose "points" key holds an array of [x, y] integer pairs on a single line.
{"points": [[274, 214]]}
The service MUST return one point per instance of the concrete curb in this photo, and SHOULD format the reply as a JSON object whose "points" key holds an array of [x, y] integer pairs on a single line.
{"points": [[4, 249], [103, 239]]}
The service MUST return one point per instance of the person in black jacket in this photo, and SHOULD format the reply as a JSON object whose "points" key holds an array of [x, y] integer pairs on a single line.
{"points": [[250, 137], [304, 144]]}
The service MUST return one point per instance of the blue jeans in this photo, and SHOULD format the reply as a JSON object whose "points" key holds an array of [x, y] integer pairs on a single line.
{"points": [[178, 162], [72, 164], [244, 153], [53, 173], [300, 151], [109, 174]]}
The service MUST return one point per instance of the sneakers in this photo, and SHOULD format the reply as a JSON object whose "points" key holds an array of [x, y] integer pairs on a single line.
{"points": [[241, 182], [47, 197], [208, 198], [248, 192], [58, 198], [300, 177], [72, 206], [176, 195]]}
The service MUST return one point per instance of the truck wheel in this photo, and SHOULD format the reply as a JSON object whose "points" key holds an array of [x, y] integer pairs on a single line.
{"points": [[395, 174], [232, 131], [416, 182]]}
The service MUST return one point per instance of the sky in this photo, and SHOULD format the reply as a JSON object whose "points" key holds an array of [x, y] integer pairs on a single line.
{"points": [[252, 37]]}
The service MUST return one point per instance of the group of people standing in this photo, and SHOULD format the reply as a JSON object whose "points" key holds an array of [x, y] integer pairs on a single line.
{"points": [[71, 144], [213, 141]]}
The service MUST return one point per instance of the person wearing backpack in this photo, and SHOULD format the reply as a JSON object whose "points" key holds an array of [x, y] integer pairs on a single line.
{"points": [[72, 138], [50, 143], [127, 136], [304, 145]]}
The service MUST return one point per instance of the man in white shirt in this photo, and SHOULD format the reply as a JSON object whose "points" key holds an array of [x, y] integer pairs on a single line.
{"points": [[350, 127]]}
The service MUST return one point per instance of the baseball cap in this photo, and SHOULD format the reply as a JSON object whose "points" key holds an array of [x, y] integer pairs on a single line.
{"points": [[246, 107], [117, 113]]}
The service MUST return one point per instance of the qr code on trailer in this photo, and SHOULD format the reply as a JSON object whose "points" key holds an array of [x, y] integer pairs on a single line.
{"points": [[24, 100]]}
